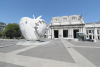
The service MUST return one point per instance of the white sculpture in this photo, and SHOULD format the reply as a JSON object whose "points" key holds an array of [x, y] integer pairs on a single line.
{"points": [[32, 29]]}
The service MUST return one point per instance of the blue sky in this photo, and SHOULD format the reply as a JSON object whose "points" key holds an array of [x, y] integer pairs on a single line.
{"points": [[11, 11]]}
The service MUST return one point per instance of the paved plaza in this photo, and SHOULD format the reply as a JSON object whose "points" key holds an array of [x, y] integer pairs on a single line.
{"points": [[57, 53]]}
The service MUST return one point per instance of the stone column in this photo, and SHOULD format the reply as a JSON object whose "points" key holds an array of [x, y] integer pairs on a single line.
{"points": [[88, 33], [52, 33], [49, 33], [61, 33], [95, 33], [84, 30], [92, 36], [80, 30], [72, 33], [69, 33], [99, 33]]}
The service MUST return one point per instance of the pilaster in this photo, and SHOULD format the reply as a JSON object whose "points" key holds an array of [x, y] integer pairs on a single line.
{"points": [[61, 33], [72, 32], [95, 33], [52, 34]]}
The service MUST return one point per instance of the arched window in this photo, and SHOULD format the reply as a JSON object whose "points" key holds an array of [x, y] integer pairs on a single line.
{"points": [[73, 18], [56, 19], [64, 19]]}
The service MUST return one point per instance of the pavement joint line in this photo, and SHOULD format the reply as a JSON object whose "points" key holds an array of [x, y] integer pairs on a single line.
{"points": [[82, 46], [7, 42], [6, 45], [70, 44], [86, 46], [79, 59], [97, 43], [23, 49], [1, 46]]}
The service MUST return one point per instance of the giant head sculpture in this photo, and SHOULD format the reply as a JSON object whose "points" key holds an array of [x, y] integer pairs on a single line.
{"points": [[32, 29]]}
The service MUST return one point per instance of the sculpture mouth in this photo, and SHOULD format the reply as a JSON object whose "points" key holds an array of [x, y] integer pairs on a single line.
{"points": [[40, 22], [37, 26]]}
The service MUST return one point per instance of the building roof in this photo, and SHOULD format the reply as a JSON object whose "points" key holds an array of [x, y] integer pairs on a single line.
{"points": [[93, 23], [2, 23]]}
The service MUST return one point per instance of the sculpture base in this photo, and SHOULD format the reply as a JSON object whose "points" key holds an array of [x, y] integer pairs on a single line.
{"points": [[26, 43]]}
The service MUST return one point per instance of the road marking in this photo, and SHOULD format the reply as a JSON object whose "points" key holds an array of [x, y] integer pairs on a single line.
{"points": [[1, 46], [57, 64], [6, 43], [97, 43], [70, 44], [87, 46], [6, 46], [80, 60], [44, 63], [21, 50]]}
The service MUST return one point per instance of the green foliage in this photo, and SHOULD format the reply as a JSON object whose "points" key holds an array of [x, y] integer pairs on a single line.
{"points": [[3, 32], [0, 34], [11, 30], [17, 34], [9, 33]]}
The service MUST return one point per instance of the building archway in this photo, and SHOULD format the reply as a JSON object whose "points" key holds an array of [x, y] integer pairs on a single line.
{"points": [[56, 33], [74, 32], [65, 33]]}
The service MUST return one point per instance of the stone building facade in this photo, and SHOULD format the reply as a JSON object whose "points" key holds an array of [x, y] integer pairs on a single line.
{"points": [[67, 26], [93, 30], [2, 26]]}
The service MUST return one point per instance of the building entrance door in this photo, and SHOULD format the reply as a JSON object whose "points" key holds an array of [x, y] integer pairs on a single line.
{"points": [[90, 37], [56, 33], [74, 33], [65, 33]]}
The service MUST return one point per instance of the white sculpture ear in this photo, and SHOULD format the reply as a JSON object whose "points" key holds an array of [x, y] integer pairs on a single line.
{"points": [[33, 16], [39, 17]]}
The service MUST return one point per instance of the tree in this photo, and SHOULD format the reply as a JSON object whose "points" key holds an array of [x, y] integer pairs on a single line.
{"points": [[17, 34], [9, 33], [11, 30], [0, 34]]}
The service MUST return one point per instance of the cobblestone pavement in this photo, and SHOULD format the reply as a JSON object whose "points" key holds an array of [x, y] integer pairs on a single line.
{"points": [[57, 53]]}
